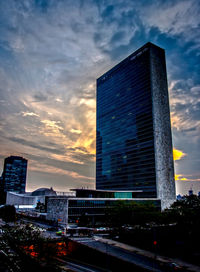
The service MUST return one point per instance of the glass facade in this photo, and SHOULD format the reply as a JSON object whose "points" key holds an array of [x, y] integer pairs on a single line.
{"points": [[14, 174], [123, 194], [90, 193], [125, 158], [100, 206]]}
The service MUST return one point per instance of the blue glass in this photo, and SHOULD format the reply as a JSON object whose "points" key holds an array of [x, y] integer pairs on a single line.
{"points": [[125, 157], [14, 174]]}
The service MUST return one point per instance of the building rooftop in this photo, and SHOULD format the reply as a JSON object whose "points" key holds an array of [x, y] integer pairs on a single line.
{"points": [[43, 191]]}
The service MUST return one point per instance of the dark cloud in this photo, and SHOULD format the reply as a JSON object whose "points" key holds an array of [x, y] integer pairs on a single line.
{"points": [[86, 170], [36, 145], [108, 14], [39, 97], [194, 111], [43, 4], [117, 36]]}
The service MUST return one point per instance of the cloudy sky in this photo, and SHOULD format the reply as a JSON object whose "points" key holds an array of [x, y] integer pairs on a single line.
{"points": [[52, 51]]}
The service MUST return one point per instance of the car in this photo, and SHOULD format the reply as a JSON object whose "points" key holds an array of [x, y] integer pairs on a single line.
{"points": [[52, 229], [174, 266], [101, 229], [42, 230], [60, 232]]}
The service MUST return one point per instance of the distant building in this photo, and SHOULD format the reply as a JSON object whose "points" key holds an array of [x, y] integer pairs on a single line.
{"points": [[134, 142], [29, 200], [14, 174], [44, 192]]}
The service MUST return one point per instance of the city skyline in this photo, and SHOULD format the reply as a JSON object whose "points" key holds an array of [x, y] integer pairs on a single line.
{"points": [[51, 54]]}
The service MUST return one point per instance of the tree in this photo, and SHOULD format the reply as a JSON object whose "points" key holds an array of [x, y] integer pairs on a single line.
{"points": [[8, 213], [40, 207], [187, 211], [28, 242], [132, 213]]}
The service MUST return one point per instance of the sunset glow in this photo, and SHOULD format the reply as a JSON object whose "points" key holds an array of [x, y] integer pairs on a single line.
{"points": [[178, 154], [48, 80]]}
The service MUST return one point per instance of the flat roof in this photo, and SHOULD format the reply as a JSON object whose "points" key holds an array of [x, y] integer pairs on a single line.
{"points": [[107, 191], [110, 71], [105, 198]]}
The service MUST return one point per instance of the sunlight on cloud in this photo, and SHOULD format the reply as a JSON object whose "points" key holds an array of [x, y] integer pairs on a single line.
{"points": [[89, 102], [178, 154], [87, 139], [65, 158], [180, 178], [52, 128], [180, 122], [87, 143], [176, 121], [29, 114], [76, 131], [59, 100]]}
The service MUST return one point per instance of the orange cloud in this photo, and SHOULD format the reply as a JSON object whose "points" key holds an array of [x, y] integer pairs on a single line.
{"points": [[178, 154], [180, 177]]}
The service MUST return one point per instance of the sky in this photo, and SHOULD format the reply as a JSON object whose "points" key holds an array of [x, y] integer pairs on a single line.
{"points": [[52, 51]]}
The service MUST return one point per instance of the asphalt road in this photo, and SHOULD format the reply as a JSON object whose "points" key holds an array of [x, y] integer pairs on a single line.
{"points": [[78, 267], [125, 255]]}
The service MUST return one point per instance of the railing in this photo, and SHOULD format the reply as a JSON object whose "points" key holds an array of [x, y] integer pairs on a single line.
{"points": [[66, 193]]}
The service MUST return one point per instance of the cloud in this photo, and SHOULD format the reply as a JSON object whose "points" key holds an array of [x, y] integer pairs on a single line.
{"points": [[30, 114], [76, 131], [51, 53], [39, 97], [57, 171], [174, 17], [35, 145], [180, 178], [178, 154]]}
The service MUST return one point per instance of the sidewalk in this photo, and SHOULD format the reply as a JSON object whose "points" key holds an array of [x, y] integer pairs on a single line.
{"points": [[163, 259]]}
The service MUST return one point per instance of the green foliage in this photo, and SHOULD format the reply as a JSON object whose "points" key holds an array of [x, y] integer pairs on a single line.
{"points": [[176, 229], [132, 213], [8, 213], [25, 237], [188, 203], [40, 207], [187, 211], [27, 241]]}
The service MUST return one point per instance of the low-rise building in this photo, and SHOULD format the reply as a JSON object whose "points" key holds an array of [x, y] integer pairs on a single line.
{"points": [[93, 205], [29, 200]]}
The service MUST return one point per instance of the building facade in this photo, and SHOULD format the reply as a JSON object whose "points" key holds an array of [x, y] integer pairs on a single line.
{"points": [[134, 143], [29, 200], [92, 208], [14, 174]]}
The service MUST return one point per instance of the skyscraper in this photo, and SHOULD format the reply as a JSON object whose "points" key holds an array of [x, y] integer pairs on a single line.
{"points": [[134, 144], [14, 174]]}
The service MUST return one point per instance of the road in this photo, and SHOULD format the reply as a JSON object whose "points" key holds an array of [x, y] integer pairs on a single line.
{"points": [[138, 258], [123, 254], [78, 267]]}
